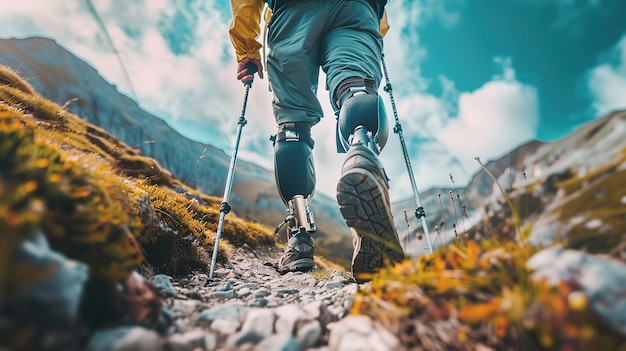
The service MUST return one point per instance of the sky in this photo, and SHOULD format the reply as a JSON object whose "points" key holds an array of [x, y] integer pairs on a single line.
{"points": [[470, 78]]}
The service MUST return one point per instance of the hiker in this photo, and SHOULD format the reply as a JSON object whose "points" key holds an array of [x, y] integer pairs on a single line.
{"points": [[344, 38]]}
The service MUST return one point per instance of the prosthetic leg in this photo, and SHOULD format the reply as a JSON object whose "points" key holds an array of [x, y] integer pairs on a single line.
{"points": [[361, 116], [294, 170], [362, 191]]}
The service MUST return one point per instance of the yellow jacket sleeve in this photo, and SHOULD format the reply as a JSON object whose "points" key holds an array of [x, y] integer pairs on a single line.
{"points": [[384, 24], [245, 28]]}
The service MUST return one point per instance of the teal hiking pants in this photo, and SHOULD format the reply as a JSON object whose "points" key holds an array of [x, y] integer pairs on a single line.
{"points": [[340, 36]]}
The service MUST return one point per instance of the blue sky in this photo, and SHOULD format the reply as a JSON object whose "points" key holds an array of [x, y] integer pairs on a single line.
{"points": [[552, 45], [470, 77]]}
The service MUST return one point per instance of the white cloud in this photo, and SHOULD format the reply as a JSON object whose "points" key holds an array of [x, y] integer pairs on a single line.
{"points": [[421, 117], [402, 43], [197, 89], [443, 137], [492, 119], [607, 81], [440, 10]]}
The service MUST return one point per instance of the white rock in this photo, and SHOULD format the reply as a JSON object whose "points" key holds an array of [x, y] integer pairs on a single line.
{"points": [[262, 292], [287, 316], [309, 334], [318, 310], [210, 341], [235, 311], [125, 339], [186, 307], [283, 342], [593, 224], [225, 326], [243, 292], [359, 333], [602, 279], [242, 340], [187, 341], [260, 320], [351, 288]]}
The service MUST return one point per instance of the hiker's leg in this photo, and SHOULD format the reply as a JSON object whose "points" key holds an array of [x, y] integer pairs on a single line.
{"points": [[293, 71], [293, 62], [351, 60], [351, 55]]}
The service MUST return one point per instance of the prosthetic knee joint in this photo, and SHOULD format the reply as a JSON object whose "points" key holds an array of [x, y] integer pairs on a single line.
{"points": [[294, 170], [361, 117]]}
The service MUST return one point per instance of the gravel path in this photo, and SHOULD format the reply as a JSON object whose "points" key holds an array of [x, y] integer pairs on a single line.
{"points": [[248, 305]]}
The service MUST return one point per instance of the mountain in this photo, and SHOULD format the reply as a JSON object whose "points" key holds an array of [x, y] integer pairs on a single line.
{"points": [[572, 188], [59, 75]]}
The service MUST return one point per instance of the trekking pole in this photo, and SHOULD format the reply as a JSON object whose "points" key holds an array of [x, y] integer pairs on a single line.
{"points": [[419, 211], [224, 206]]}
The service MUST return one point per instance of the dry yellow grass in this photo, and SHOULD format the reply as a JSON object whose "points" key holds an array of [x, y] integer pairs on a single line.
{"points": [[481, 293]]}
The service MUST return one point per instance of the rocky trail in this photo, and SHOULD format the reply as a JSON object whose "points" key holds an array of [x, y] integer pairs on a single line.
{"points": [[248, 305]]}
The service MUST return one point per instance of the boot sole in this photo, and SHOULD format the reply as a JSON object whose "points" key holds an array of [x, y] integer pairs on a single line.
{"points": [[363, 206], [301, 265]]}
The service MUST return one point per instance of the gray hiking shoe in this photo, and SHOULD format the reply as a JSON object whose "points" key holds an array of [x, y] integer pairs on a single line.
{"points": [[364, 203], [298, 255]]}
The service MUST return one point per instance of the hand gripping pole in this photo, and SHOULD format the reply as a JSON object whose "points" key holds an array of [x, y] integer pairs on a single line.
{"points": [[419, 210], [224, 206]]}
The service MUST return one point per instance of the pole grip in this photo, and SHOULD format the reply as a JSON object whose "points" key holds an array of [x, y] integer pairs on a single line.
{"points": [[251, 69]]}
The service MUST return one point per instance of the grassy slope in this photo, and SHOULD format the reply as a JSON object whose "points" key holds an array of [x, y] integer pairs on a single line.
{"points": [[471, 295], [82, 177]]}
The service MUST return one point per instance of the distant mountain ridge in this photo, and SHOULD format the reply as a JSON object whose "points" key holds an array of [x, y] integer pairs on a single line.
{"points": [[558, 187]]}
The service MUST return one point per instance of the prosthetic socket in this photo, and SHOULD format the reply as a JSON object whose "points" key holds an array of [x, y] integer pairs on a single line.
{"points": [[294, 170], [361, 115]]}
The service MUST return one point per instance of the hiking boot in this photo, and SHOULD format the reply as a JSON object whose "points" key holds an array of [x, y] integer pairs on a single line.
{"points": [[364, 203], [298, 255]]}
